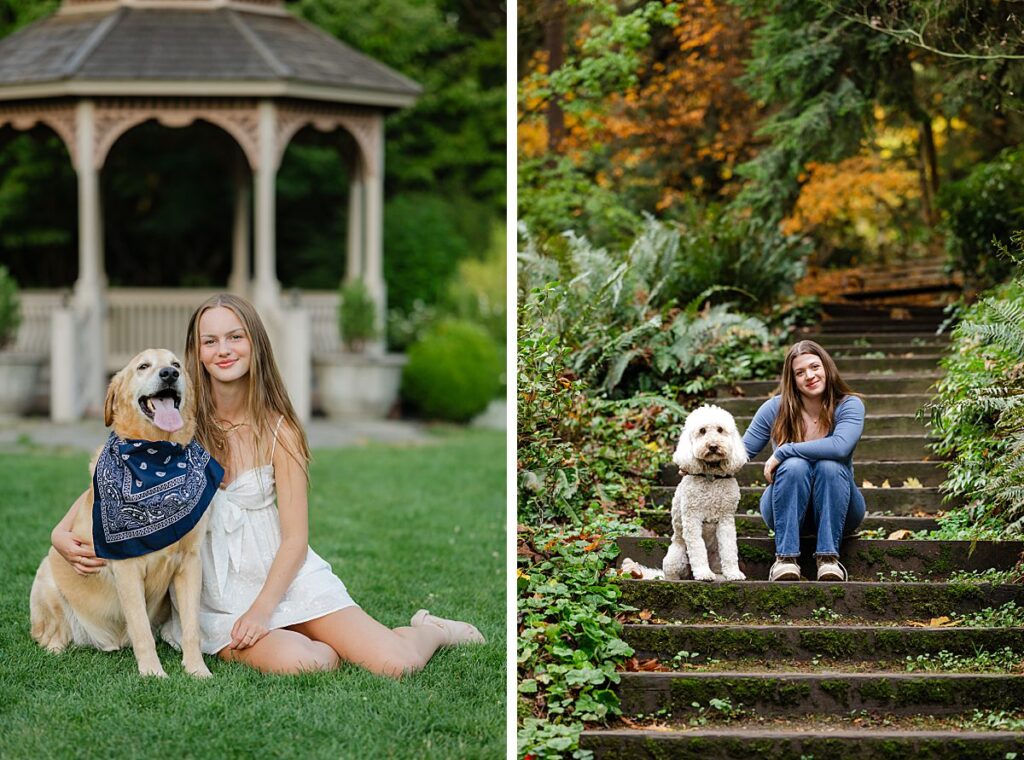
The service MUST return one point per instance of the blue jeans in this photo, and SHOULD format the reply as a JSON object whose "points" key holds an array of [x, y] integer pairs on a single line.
{"points": [[826, 486]]}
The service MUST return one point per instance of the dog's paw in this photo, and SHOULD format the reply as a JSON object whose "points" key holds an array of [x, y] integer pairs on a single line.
{"points": [[198, 671], [703, 575], [736, 576], [152, 670]]}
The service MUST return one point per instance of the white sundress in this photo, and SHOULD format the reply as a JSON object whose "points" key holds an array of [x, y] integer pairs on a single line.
{"points": [[241, 541]]}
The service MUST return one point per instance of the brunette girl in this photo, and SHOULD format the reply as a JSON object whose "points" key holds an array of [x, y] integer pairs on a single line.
{"points": [[813, 424]]}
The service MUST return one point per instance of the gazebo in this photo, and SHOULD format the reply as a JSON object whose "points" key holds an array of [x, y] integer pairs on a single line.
{"points": [[97, 68]]}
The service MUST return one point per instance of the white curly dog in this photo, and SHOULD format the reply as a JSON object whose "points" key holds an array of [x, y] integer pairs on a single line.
{"points": [[709, 454]]}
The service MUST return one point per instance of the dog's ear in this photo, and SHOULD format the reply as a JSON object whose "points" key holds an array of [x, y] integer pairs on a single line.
{"points": [[683, 456], [113, 391], [737, 451]]}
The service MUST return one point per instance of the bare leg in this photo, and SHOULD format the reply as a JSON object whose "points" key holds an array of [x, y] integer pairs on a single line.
{"points": [[360, 639], [284, 651]]}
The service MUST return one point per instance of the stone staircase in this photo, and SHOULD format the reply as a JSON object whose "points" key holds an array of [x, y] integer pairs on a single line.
{"points": [[807, 669]]}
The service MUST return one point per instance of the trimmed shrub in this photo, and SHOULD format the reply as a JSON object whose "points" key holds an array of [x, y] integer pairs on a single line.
{"points": [[10, 307], [356, 315], [452, 373]]}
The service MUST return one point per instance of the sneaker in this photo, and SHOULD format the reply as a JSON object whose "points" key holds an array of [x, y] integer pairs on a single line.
{"points": [[830, 569], [784, 570]]}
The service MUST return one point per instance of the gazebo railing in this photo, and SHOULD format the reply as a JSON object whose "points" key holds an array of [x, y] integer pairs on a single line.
{"points": [[138, 318]]}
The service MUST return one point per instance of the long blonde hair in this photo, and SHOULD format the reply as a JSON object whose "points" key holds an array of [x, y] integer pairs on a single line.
{"points": [[788, 427], [266, 398]]}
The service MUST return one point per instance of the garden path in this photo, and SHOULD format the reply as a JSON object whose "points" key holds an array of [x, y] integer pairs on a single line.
{"points": [[808, 669]]}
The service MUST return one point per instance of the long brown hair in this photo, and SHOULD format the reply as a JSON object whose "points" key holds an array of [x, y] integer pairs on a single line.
{"points": [[788, 427], [266, 397]]}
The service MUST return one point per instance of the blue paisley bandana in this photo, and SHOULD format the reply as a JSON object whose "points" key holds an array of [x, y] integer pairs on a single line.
{"points": [[148, 494]]}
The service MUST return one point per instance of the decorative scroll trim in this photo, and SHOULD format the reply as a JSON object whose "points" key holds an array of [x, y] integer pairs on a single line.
{"points": [[115, 117], [365, 126], [60, 118]]}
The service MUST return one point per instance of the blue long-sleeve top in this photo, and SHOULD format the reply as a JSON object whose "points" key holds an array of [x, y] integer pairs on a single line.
{"points": [[838, 445]]}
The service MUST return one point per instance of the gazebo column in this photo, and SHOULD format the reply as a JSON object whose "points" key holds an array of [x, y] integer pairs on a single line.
{"points": [[354, 263], [289, 326], [238, 282], [78, 353], [373, 225], [266, 289]]}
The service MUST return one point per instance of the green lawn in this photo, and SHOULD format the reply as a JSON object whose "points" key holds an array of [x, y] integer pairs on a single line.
{"points": [[404, 527]]}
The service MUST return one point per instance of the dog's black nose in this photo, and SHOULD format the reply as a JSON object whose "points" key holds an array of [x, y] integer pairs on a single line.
{"points": [[169, 374]]}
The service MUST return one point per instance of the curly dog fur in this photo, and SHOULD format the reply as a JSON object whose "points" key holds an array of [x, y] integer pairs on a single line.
{"points": [[709, 454]]}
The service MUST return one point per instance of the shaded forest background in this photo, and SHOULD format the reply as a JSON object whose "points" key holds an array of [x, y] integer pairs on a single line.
{"points": [[168, 192], [871, 132]]}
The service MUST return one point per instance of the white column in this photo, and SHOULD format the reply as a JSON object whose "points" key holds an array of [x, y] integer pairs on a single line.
{"points": [[373, 213], [88, 367], [354, 261], [238, 282], [266, 289]]}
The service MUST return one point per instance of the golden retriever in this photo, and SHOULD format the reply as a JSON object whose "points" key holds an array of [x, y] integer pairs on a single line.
{"points": [[121, 603]]}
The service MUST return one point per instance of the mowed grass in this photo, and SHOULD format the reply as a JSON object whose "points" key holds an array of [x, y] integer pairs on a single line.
{"points": [[404, 528]]}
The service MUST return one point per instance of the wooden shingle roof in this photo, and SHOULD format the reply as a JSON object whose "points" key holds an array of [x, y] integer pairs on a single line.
{"points": [[249, 50]]}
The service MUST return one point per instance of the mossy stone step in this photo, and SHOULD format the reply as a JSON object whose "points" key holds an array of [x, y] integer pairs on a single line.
{"points": [[860, 365], [874, 425], [918, 339], [876, 403], [863, 558], [691, 600], [878, 326], [851, 744], [882, 448], [932, 351], [928, 474], [791, 642], [894, 384], [821, 693], [659, 520], [899, 501]]}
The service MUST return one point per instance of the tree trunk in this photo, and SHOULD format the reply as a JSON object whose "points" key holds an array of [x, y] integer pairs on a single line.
{"points": [[929, 171], [554, 44]]}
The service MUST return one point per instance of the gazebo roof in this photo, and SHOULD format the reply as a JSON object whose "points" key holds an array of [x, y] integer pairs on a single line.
{"points": [[222, 48]]}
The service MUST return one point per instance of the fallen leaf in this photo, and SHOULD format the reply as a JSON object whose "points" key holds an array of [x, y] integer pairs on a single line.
{"points": [[939, 622], [912, 483], [900, 535], [645, 615], [885, 483], [649, 665], [867, 484]]}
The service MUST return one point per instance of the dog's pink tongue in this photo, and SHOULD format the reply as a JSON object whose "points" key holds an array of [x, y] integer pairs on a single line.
{"points": [[165, 416]]}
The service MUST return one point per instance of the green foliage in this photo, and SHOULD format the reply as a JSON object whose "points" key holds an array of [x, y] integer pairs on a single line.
{"points": [[422, 248], [453, 373], [569, 643], [38, 203], [408, 327], [452, 141], [618, 313], [10, 307], [558, 194], [1008, 615], [477, 293], [15, 14], [985, 206], [820, 74], [356, 315], [1001, 660], [978, 413]]}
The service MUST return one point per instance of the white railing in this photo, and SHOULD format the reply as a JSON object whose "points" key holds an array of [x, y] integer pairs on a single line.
{"points": [[138, 318]]}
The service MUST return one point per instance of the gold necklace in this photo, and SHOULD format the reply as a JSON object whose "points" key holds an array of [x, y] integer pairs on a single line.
{"points": [[231, 426]]}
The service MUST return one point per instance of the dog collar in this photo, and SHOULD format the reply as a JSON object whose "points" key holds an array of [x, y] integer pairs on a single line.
{"points": [[709, 476], [149, 494]]}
